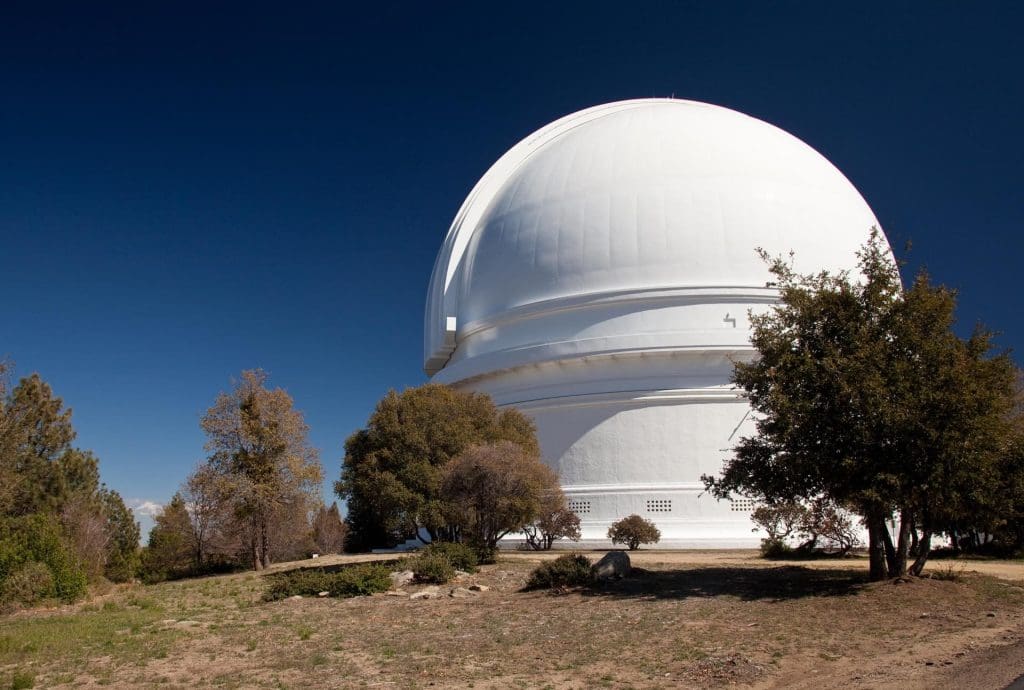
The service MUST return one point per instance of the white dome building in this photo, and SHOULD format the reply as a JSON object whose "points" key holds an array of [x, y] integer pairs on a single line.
{"points": [[599, 278]]}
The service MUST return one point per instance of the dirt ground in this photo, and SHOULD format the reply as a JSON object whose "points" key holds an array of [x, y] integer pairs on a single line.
{"points": [[685, 619]]}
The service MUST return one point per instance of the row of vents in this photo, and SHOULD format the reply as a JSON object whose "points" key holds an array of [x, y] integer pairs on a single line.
{"points": [[662, 505]]}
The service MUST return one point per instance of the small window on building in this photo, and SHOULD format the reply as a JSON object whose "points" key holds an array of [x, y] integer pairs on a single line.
{"points": [[659, 506], [579, 507]]}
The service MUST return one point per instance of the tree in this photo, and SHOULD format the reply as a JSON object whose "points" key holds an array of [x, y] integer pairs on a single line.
{"points": [[122, 553], [329, 530], [554, 521], [258, 444], [865, 397], [170, 551], [391, 474], [494, 489], [207, 498], [35, 430], [633, 531]]}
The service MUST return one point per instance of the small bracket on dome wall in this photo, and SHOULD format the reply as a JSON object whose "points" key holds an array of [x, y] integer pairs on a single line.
{"points": [[730, 319]]}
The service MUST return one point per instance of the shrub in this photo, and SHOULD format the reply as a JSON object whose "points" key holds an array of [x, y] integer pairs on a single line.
{"points": [[353, 581], [461, 556], [633, 531], [775, 548], [23, 680], [570, 570], [430, 567], [360, 580], [29, 584], [37, 538]]}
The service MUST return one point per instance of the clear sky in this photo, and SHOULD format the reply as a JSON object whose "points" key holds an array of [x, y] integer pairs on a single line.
{"points": [[189, 190]]}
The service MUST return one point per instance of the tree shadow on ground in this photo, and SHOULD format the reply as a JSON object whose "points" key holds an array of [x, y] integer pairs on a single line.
{"points": [[748, 584]]}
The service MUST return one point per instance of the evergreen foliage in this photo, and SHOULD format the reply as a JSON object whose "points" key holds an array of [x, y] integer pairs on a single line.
{"points": [[864, 396], [392, 472], [38, 539], [54, 511], [352, 581], [570, 570]]}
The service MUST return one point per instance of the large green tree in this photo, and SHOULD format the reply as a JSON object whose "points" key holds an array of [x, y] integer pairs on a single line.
{"points": [[35, 431], [864, 395], [392, 472]]}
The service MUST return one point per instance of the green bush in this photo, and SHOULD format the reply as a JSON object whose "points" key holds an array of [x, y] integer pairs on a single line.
{"points": [[486, 555], [38, 538], [22, 680], [633, 531], [29, 584], [430, 567], [775, 548], [571, 570], [352, 581], [461, 556], [361, 579]]}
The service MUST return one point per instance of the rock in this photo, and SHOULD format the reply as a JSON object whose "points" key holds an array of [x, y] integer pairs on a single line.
{"points": [[297, 596], [461, 573], [324, 594], [461, 593], [402, 578], [479, 588], [428, 593], [395, 593], [614, 565]]}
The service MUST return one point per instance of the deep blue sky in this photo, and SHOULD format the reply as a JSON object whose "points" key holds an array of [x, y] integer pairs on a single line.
{"points": [[190, 190]]}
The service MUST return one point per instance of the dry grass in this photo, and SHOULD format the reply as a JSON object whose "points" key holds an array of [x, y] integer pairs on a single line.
{"points": [[699, 623]]}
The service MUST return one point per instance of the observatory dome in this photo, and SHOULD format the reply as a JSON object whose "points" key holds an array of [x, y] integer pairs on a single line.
{"points": [[609, 262]]}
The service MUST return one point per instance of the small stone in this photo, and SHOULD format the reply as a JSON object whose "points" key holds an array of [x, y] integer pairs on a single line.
{"points": [[297, 596], [461, 593], [428, 593], [400, 579], [394, 593], [461, 573], [990, 614], [479, 588], [324, 594]]}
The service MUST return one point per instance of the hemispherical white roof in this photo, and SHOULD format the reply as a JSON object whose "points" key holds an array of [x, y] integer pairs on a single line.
{"points": [[641, 195]]}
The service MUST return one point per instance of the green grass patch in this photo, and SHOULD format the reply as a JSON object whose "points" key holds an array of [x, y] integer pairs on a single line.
{"points": [[123, 634]]}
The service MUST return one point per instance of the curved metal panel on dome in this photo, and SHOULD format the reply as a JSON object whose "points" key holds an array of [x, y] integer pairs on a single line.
{"points": [[641, 195]]}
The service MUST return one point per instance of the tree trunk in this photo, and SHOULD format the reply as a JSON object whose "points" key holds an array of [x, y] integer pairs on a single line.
{"points": [[898, 568], [254, 548], [876, 547], [265, 543], [890, 550], [922, 556]]}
